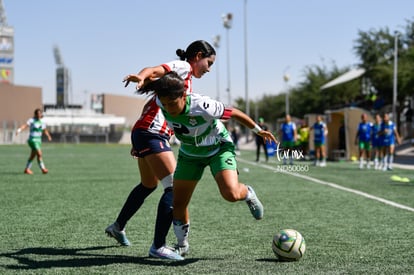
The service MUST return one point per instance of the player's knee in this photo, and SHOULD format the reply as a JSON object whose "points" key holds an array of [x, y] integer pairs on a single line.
{"points": [[231, 195]]}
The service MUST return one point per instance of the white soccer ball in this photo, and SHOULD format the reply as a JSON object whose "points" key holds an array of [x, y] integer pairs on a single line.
{"points": [[288, 245]]}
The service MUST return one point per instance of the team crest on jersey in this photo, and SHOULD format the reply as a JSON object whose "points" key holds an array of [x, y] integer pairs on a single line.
{"points": [[192, 121]]}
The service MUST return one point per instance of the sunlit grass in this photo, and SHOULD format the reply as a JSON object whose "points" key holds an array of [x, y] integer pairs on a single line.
{"points": [[54, 223]]}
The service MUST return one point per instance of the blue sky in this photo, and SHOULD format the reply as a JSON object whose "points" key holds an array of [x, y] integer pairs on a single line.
{"points": [[102, 41]]}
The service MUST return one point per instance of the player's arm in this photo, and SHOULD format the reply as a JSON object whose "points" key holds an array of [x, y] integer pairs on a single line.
{"points": [[244, 119], [397, 136], [146, 75], [295, 133], [21, 128], [49, 137]]}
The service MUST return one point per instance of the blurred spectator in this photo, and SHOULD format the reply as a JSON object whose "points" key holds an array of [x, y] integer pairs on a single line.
{"points": [[303, 138], [260, 143], [407, 114], [289, 136], [378, 103], [234, 131], [320, 131]]}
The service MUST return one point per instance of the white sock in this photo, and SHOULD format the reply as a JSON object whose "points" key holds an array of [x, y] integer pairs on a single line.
{"points": [[41, 165], [384, 160], [390, 160], [167, 181], [249, 194], [181, 232]]}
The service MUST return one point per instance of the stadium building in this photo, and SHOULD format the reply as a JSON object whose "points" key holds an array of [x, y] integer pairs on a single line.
{"points": [[109, 119]]}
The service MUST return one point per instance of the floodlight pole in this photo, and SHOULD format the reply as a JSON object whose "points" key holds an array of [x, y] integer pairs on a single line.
{"points": [[227, 22], [246, 78], [394, 94]]}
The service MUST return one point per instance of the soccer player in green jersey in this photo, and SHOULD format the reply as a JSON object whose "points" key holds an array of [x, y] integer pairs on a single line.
{"points": [[205, 141], [37, 128]]}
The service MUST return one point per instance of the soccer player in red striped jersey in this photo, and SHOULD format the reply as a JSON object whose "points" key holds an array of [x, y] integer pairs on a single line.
{"points": [[150, 145]]}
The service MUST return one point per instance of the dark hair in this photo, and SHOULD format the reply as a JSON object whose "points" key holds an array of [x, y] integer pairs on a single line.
{"points": [[37, 111], [194, 48], [171, 85]]}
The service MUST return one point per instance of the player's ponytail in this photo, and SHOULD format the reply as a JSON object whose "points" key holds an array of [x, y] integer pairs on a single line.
{"points": [[194, 48], [181, 54]]}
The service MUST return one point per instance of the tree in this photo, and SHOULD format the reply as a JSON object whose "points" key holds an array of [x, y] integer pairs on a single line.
{"points": [[375, 49], [376, 52]]}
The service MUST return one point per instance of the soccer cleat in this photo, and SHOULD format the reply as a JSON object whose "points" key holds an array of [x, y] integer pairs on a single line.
{"points": [[119, 235], [45, 171], [28, 171], [165, 252], [255, 206], [183, 250]]}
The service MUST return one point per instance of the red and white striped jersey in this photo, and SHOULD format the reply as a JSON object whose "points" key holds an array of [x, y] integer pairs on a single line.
{"points": [[152, 119]]}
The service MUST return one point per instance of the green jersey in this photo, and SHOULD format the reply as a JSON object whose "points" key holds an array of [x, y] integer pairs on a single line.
{"points": [[199, 127], [36, 129]]}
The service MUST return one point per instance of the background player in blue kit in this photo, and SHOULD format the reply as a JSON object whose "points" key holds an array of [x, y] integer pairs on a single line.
{"points": [[363, 140], [320, 131], [377, 142], [289, 136], [390, 137]]}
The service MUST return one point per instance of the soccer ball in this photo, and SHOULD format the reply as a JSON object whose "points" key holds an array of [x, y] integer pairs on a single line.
{"points": [[288, 245]]}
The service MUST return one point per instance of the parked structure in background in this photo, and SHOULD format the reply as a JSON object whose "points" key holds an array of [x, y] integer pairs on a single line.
{"points": [[6, 48], [108, 119], [63, 81]]}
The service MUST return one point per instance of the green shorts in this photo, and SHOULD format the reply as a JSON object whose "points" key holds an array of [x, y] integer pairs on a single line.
{"points": [[319, 144], [364, 145], [34, 145], [192, 168], [288, 144]]}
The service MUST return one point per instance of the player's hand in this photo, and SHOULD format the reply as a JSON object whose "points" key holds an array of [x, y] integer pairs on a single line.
{"points": [[134, 153], [133, 78], [267, 136]]}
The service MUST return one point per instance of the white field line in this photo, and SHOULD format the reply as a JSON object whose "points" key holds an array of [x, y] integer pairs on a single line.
{"points": [[333, 185]]}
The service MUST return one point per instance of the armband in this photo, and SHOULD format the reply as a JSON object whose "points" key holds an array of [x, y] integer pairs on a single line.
{"points": [[256, 129]]}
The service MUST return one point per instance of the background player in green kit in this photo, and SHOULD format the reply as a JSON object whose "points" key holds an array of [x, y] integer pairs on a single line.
{"points": [[205, 141], [37, 128]]}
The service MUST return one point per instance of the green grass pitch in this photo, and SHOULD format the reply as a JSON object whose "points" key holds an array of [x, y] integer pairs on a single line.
{"points": [[353, 221]]}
